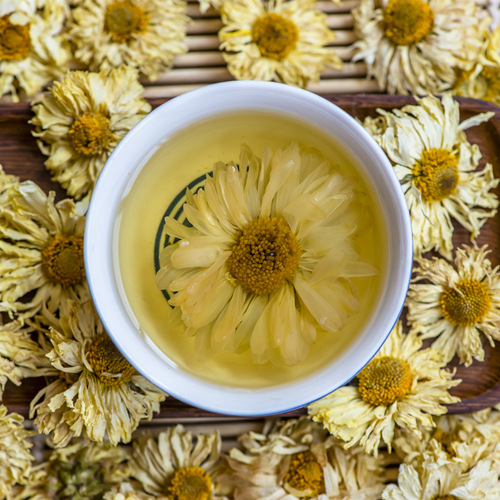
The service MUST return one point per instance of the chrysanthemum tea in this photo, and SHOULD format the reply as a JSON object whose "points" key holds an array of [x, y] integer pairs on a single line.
{"points": [[267, 266]]}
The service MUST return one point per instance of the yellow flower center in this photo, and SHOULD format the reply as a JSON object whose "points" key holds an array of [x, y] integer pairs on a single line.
{"points": [[62, 260], [264, 255], [123, 20], [385, 380], [466, 304], [305, 475], [190, 483], [275, 36], [446, 497], [492, 77], [407, 21], [15, 40], [436, 174], [107, 362], [90, 134]]}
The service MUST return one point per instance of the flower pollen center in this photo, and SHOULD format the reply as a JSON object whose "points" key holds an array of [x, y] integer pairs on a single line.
{"points": [[384, 380], [436, 174], [492, 77], [304, 476], [90, 134], [275, 36], [123, 20], [446, 497], [107, 362], [62, 260], [15, 40], [190, 483], [466, 304], [407, 21], [264, 255]]}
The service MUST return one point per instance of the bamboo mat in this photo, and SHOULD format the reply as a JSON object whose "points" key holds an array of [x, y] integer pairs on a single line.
{"points": [[203, 64]]}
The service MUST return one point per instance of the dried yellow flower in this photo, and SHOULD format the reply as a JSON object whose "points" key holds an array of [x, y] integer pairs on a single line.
{"points": [[417, 46], [98, 393], [438, 169], [82, 119], [144, 34], [41, 250], [457, 303], [284, 41], [32, 48], [402, 387]]}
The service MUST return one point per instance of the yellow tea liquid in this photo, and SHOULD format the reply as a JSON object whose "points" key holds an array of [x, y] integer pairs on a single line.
{"points": [[174, 165]]}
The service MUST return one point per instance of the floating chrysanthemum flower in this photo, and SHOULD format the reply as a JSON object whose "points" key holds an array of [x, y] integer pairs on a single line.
{"points": [[446, 481], [82, 470], [31, 50], [82, 119], [19, 355], [437, 168], [403, 386], [175, 465], [416, 46], [270, 259], [483, 81], [145, 34], [297, 459], [278, 40], [457, 303], [98, 393], [15, 456], [41, 250]]}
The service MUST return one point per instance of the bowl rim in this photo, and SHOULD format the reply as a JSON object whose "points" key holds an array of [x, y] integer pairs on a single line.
{"points": [[101, 268]]}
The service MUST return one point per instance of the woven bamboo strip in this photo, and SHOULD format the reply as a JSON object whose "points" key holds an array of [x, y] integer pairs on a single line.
{"points": [[331, 86], [209, 26], [202, 59], [326, 6], [211, 42], [220, 74]]}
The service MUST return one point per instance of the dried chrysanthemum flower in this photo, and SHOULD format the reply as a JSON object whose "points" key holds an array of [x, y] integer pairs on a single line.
{"points": [[294, 208], [416, 46], [19, 355], [41, 250], [403, 386], [145, 34], [483, 81], [82, 119], [32, 52], [98, 393], [438, 169], [82, 470], [444, 480], [465, 439], [175, 465], [297, 459], [210, 4], [277, 40], [15, 457], [457, 303], [7, 181]]}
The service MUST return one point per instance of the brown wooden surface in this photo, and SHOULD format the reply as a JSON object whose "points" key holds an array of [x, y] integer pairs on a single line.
{"points": [[480, 387]]}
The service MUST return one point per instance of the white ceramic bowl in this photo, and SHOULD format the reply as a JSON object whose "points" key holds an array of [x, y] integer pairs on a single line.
{"points": [[101, 252]]}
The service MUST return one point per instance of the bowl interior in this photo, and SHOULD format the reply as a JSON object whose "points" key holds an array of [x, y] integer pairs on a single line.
{"points": [[103, 272]]}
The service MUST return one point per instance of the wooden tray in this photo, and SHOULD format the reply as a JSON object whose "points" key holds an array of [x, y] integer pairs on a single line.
{"points": [[480, 387]]}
